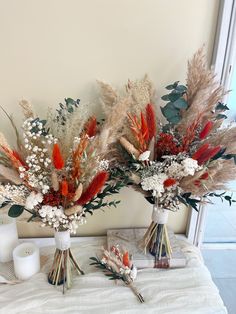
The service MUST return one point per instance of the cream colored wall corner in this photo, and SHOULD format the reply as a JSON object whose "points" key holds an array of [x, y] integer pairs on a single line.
{"points": [[51, 49]]}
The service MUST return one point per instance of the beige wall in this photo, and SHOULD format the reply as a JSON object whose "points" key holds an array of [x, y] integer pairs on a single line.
{"points": [[51, 49]]}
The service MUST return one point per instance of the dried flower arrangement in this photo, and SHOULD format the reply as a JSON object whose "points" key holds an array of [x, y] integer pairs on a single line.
{"points": [[59, 173], [183, 160], [117, 265]]}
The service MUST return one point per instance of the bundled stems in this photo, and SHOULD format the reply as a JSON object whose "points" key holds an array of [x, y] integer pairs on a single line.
{"points": [[156, 239], [64, 261], [129, 283]]}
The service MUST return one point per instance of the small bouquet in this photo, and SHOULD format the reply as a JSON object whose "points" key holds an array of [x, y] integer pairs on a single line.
{"points": [[58, 174], [183, 160], [117, 265]]}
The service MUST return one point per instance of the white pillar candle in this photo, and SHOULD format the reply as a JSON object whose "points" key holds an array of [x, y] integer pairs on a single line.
{"points": [[26, 260], [8, 237]]}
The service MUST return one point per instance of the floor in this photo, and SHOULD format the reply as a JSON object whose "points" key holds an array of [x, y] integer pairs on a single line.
{"points": [[222, 265], [221, 228]]}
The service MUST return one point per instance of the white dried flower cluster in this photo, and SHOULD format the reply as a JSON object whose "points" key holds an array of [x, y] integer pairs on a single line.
{"points": [[186, 167], [55, 217], [33, 200], [103, 165], [174, 167], [154, 183], [169, 199], [38, 159], [15, 194]]}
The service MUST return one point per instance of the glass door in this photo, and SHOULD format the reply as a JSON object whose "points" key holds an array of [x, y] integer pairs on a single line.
{"points": [[220, 218]]}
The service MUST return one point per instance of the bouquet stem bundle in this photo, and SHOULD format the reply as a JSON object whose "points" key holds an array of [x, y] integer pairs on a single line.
{"points": [[130, 284], [156, 239], [63, 262]]}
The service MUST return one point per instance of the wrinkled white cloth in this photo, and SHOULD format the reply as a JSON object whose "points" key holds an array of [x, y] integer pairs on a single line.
{"points": [[188, 290]]}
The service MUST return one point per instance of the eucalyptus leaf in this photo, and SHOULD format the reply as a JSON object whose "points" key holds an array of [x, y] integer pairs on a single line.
{"points": [[169, 110], [221, 107], [165, 97], [15, 211], [181, 88], [221, 116], [180, 103], [174, 96]]}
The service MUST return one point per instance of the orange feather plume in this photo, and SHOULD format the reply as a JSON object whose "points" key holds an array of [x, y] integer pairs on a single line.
{"points": [[136, 128], [77, 154], [94, 188], [144, 127], [57, 158]]}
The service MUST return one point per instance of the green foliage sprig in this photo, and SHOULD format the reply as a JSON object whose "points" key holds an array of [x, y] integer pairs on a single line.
{"points": [[107, 271], [67, 108], [176, 102], [110, 189]]}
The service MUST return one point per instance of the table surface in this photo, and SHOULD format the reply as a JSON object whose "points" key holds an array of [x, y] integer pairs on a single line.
{"points": [[187, 290]]}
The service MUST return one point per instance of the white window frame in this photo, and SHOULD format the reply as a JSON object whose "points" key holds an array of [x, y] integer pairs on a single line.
{"points": [[223, 58]]}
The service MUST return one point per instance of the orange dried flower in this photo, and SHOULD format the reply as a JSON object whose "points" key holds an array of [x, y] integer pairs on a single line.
{"points": [[77, 154], [57, 158], [64, 188], [126, 259], [144, 127]]}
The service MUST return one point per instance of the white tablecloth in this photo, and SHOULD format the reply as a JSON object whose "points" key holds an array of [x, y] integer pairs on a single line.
{"points": [[188, 290]]}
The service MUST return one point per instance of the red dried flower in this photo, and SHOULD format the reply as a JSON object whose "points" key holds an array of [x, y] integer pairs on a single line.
{"points": [[190, 134], [200, 151], [52, 198], [204, 176], [94, 187], [151, 121], [197, 182], [169, 182], [57, 158], [206, 130], [91, 127], [210, 153], [166, 145], [64, 188]]}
